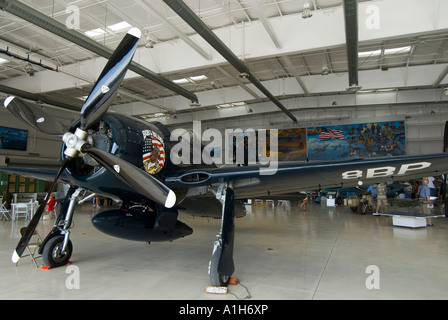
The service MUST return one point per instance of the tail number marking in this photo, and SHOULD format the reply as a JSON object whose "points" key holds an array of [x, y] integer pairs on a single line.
{"points": [[385, 171]]}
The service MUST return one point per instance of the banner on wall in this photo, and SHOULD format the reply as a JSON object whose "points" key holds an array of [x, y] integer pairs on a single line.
{"points": [[13, 139]]}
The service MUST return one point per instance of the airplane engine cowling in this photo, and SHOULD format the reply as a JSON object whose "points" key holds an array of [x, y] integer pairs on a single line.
{"points": [[141, 225]]}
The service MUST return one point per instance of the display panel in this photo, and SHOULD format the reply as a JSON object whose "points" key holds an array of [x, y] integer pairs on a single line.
{"points": [[13, 139]]}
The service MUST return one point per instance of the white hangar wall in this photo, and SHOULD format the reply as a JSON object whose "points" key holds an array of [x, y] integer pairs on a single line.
{"points": [[425, 123], [39, 145]]}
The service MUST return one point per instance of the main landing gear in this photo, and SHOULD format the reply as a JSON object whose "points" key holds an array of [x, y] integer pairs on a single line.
{"points": [[56, 249], [221, 266]]}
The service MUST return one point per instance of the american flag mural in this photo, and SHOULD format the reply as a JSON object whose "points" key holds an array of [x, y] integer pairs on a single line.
{"points": [[153, 153], [328, 134]]}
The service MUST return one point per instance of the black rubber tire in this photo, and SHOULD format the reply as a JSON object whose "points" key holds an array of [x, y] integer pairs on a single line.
{"points": [[52, 252]]}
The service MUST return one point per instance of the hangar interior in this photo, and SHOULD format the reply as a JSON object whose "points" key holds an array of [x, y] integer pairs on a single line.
{"points": [[300, 52]]}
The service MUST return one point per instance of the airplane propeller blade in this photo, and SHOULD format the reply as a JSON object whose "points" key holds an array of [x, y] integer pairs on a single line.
{"points": [[107, 84], [135, 177], [33, 115], [35, 220], [92, 111], [96, 106]]}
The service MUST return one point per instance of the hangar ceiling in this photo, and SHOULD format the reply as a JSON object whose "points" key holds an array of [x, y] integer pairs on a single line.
{"points": [[403, 48]]}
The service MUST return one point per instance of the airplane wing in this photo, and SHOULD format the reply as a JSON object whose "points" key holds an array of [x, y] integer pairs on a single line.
{"points": [[250, 181], [287, 177], [30, 169]]}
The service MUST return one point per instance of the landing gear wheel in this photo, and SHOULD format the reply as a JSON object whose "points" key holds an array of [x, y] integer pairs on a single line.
{"points": [[217, 279], [52, 255], [366, 209]]}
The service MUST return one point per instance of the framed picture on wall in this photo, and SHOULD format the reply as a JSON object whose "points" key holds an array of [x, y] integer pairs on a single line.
{"points": [[13, 139]]}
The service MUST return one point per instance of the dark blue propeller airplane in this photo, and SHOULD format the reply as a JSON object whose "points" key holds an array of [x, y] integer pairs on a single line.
{"points": [[125, 158]]}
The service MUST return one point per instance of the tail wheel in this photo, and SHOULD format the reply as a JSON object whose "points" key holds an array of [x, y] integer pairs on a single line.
{"points": [[53, 255]]}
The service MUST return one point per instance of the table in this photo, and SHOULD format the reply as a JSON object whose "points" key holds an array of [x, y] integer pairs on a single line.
{"points": [[27, 209]]}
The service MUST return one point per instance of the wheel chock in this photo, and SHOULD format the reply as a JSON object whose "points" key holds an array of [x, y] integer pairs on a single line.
{"points": [[215, 290], [48, 267]]}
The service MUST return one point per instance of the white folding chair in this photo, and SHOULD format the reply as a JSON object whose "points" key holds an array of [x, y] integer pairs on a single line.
{"points": [[20, 210], [4, 212]]}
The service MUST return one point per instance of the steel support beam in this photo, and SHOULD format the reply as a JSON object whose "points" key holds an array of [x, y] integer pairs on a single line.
{"points": [[37, 98], [41, 20], [205, 32], [351, 35]]}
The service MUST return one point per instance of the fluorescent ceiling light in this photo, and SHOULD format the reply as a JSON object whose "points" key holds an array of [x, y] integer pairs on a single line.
{"points": [[198, 78], [3, 61], [153, 115], [119, 26], [369, 53], [180, 81], [386, 90], [95, 32], [397, 50], [234, 104], [190, 79]]}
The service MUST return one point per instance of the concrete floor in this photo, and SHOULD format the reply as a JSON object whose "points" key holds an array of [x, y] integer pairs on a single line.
{"points": [[280, 254]]}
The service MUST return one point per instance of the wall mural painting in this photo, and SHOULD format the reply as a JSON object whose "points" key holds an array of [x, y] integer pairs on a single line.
{"points": [[292, 144], [364, 140], [14, 139]]}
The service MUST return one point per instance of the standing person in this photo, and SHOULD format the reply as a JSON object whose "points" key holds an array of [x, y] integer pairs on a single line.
{"points": [[49, 207], [373, 191], [304, 202], [407, 189], [381, 190], [424, 192], [432, 187], [96, 202]]}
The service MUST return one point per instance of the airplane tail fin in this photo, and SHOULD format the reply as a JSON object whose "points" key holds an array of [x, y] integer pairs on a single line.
{"points": [[445, 137]]}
